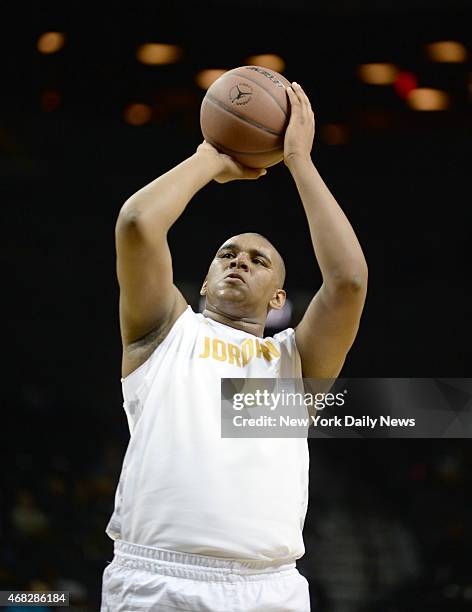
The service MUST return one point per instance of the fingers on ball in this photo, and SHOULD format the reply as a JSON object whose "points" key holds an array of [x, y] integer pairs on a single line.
{"points": [[293, 97]]}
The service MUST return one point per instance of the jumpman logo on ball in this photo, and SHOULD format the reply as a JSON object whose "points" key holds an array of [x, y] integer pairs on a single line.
{"points": [[240, 96]]}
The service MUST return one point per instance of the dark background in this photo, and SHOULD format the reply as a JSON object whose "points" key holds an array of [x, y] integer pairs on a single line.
{"points": [[388, 527]]}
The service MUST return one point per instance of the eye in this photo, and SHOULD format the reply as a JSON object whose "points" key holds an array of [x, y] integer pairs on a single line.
{"points": [[228, 254], [258, 260]]}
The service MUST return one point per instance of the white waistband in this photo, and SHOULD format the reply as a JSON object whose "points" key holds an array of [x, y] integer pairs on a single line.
{"points": [[196, 567]]}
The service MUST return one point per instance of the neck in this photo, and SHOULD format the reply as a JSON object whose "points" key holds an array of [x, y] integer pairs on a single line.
{"points": [[250, 327]]}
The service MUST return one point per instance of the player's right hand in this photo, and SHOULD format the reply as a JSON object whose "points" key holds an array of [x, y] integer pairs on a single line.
{"points": [[231, 170]]}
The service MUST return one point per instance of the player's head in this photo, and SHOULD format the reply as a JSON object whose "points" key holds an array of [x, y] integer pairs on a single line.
{"points": [[246, 277]]}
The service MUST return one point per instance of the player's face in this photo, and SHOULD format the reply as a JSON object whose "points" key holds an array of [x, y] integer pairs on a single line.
{"points": [[245, 276]]}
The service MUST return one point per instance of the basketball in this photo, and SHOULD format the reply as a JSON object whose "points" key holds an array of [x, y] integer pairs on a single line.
{"points": [[245, 113]]}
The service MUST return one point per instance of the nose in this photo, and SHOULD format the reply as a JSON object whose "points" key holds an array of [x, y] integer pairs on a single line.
{"points": [[241, 261]]}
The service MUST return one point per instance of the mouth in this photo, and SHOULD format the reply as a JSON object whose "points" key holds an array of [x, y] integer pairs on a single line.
{"points": [[235, 277]]}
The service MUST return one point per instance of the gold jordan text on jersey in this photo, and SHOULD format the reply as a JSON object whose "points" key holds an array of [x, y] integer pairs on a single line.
{"points": [[238, 355]]}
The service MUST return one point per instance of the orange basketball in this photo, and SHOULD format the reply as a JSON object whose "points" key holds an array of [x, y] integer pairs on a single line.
{"points": [[245, 113]]}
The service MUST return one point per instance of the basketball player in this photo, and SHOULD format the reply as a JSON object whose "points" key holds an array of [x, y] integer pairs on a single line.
{"points": [[203, 522]]}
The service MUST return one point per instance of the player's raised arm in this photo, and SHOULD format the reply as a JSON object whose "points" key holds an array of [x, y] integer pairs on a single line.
{"points": [[149, 299], [329, 326]]}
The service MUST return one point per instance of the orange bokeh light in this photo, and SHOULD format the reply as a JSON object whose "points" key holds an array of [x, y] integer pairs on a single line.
{"points": [[205, 78], [377, 74], [267, 60], [427, 99], [50, 42], [137, 114], [446, 51], [157, 53]]}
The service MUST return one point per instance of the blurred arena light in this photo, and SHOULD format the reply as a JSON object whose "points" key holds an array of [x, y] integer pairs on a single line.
{"points": [[205, 78], [446, 51], [137, 114], [50, 100], [156, 53], [405, 82], [267, 60], [50, 42], [377, 74], [334, 134], [426, 99]]}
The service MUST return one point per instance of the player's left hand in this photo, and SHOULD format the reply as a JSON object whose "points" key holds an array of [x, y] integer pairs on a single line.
{"points": [[300, 131]]}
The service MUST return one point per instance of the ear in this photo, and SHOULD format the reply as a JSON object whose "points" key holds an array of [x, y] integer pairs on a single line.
{"points": [[278, 300], [203, 290]]}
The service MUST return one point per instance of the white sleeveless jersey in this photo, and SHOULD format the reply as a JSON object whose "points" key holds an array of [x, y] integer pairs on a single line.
{"points": [[185, 488]]}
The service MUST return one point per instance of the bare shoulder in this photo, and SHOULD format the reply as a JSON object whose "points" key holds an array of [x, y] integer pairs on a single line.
{"points": [[137, 352]]}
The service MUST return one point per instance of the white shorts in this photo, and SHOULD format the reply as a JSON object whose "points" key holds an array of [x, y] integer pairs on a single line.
{"points": [[145, 578]]}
